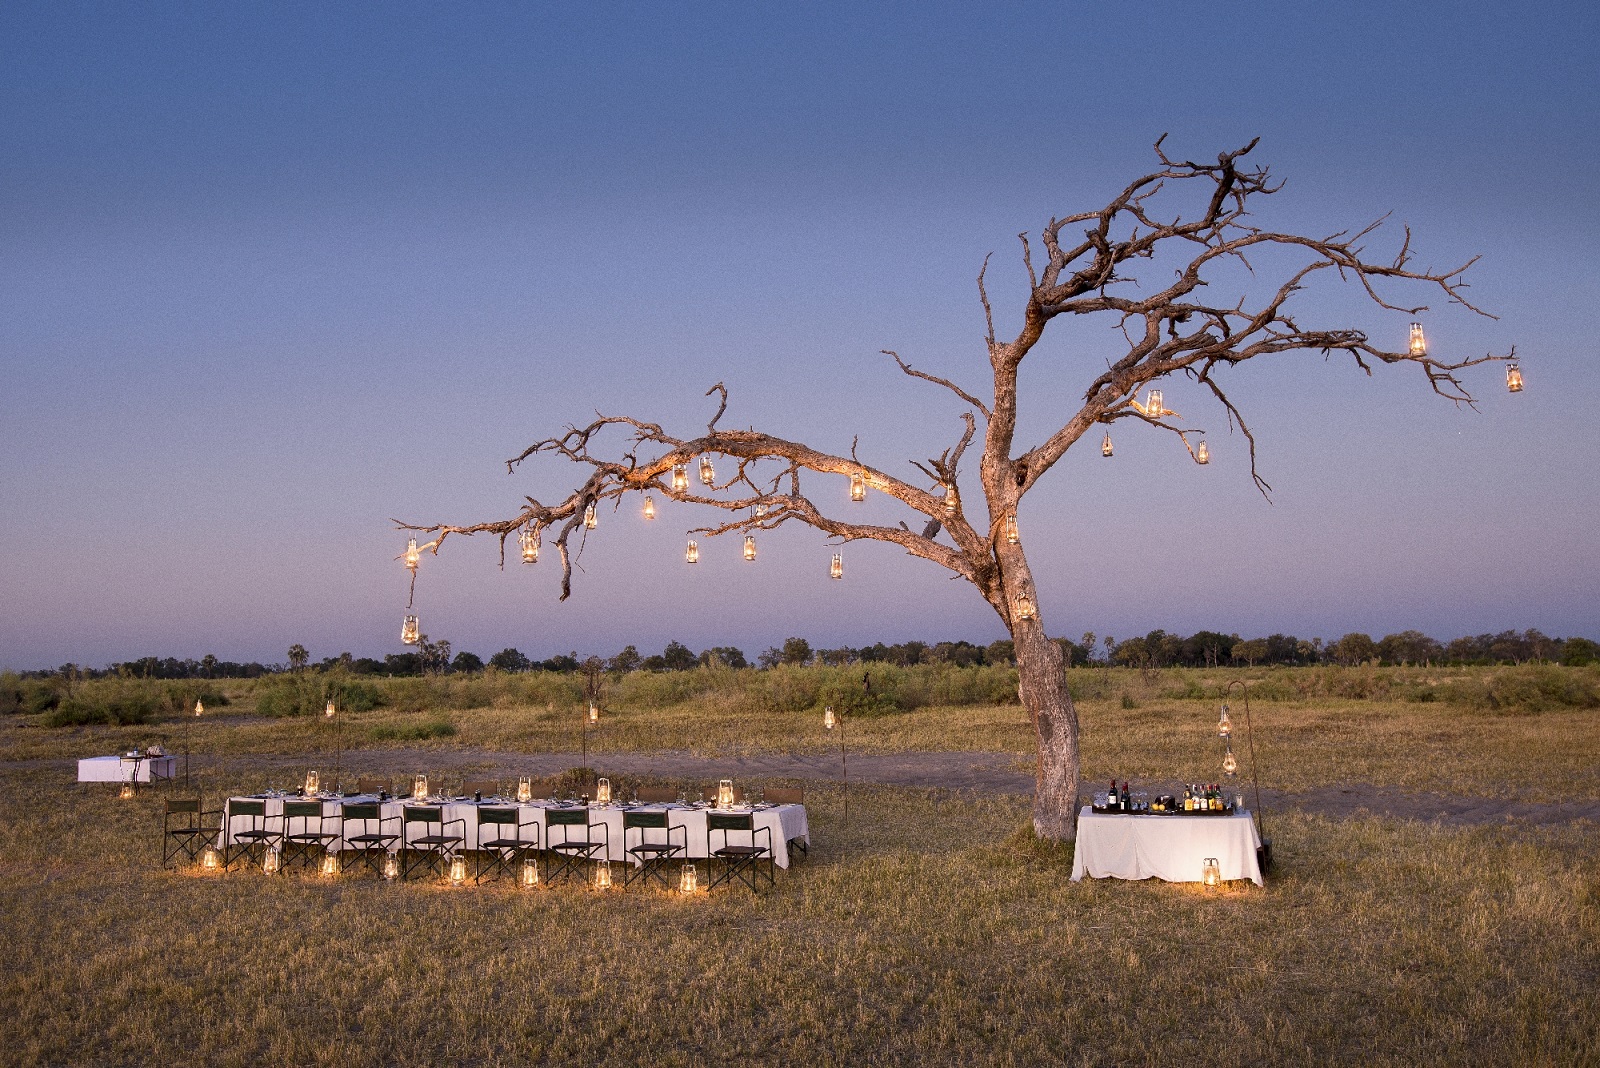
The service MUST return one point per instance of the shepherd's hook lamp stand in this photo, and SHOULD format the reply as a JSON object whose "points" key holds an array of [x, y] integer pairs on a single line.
{"points": [[1255, 781]]}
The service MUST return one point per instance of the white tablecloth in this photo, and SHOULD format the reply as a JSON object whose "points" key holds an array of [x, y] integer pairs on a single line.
{"points": [[116, 769], [786, 822], [1173, 848]]}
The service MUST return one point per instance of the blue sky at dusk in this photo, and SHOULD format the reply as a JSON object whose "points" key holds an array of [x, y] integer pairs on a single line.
{"points": [[272, 274]]}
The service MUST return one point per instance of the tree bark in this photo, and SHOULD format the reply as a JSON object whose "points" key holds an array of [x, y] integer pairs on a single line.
{"points": [[1042, 686]]}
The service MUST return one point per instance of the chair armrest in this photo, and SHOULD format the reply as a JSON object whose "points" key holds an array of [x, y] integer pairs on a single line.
{"points": [[463, 821], [606, 827]]}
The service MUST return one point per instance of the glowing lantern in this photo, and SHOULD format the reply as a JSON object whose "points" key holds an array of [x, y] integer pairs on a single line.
{"points": [[708, 474], [211, 860], [1513, 377], [1155, 407], [602, 875], [528, 541], [1230, 763], [649, 507], [602, 792], [419, 787], [530, 873], [1419, 344], [1025, 607], [199, 709], [524, 789], [458, 870], [1011, 529], [391, 867], [680, 478], [1105, 446], [688, 883], [1224, 724], [836, 569], [759, 509], [126, 793], [413, 554], [330, 864], [725, 793], [330, 710], [590, 520], [858, 487], [827, 718], [692, 553], [1202, 453], [313, 781], [749, 546], [1211, 873], [271, 862], [410, 630], [952, 500], [594, 712]]}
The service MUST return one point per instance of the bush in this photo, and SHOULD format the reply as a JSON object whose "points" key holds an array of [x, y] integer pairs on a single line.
{"points": [[128, 706], [413, 732], [1541, 688]]}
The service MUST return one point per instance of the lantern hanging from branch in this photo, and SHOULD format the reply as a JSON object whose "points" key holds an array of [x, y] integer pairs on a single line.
{"points": [[458, 870], [649, 507], [836, 569], [827, 718], [952, 499], [1419, 343], [271, 862], [410, 630], [528, 541], [1025, 608], [602, 791], [590, 519], [1211, 873], [1155, 406], [1202, 453], [680, 478], [1513, 377], [602, 875], [692, 553], [858, 487], [688, 882], [725, 793], [530, 873], [1105, 446], [1011, 528], [708, 474], [413, 554], [749, 546], [759, 509], [524, 789]]}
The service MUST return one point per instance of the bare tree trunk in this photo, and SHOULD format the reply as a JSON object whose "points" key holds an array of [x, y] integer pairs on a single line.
{"points": [[1042, 685]]}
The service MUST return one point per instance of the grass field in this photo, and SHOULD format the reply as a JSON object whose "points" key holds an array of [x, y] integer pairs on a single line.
{"points": [[929, 930]]}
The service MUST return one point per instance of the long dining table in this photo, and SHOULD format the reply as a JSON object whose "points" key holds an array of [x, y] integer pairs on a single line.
{"points": [[785, 823]]}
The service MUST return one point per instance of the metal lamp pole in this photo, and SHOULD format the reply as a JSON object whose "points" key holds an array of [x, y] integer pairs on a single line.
{"points": [[199, 710], [1255, 780]]}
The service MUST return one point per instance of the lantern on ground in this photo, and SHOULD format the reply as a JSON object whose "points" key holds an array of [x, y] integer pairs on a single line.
{"points": [[330, 864], [858, 487], [1513, 377], [458, 870], [524, 789], [688, 882], [1419, 343], [952, 499], [313, 783], [1211, 873], [529, 879], [692, 553], [827, 718], [391, 867], [1011, 529], [594, 712], [602, 875], [725, 793], [528, 542], [590, 520], [1224, 724], [1230, 763], [708, 474], [749, 546], [419, 787], [126, 793], [1024, 606], [649, 507], [1155, 407], [410, 630], [836, 569], [271, 862], [680, 478], [210, 860], [602, 792], [1202, 453], [413, 554]]}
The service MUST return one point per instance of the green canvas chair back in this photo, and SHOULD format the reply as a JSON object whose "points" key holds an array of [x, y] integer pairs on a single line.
{"points": [[505, 817], [567, 817], [644, 819]]}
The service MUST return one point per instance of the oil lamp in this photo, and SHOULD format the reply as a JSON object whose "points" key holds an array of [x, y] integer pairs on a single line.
{"points": [[708, 474], [1224, 724], [391, 867], [594, 712], [1230, 763], [1155, 407], [313, 782], [590, 520], [1513, 377], [1419, 344], [126, 793], [1011, 529], [836, 569], [827, 718], [725, 793], [419, 787], [692, 553], [1211, 873], [602, 875], [524, 789], [1202, 453], [413, 554], [1105, 446], [330, 710], [210, 860], [330, 864], [680, 478], [528, 541], [271, 862], [458, 870], [749, 546], [1025, 608], [602, 792], [199, 709], [759, 509], [952, 499], [858, 487], [688, 883], [410, 630], [530, 873], [649, 507]]}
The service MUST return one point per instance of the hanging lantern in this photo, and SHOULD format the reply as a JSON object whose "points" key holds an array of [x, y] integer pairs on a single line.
{"points": [[126, 793], [458, 870], [602, 792], [858, 487], [692, 553], [1211, 873], [410, 630], [749, 546], [419, 787], [1224, 724], [1202, 453], [1155, 407], [1230, 763], [1011, 529], [688, 883], [594, 712], [413, 554], [708, 474], [524, 789], [199, 709], [836, 569], [391, 867], [329, 711], [530, 873], [528, 541], [271, 862], [680, 478], [649, 507], [952, 500], [590, 520], [210, 860], [330, 864], [725, 793], [759, 509], [602, 875], [313, 782], [1419, 344], [827, 718], [1025, 608], [1513, 377]]}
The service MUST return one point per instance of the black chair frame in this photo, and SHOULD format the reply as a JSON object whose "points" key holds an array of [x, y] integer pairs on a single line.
{"points": [[189, 834], [569, 853], [741, 862], [255, 840], [432, 852], [369, 848], [654, 857], [306, 846], [496, 852]]}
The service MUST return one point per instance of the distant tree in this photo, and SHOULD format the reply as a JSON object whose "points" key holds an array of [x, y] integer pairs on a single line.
{"points": [[1207, 648], [402, 664], [1540, 646], [1003, 652], [1088, 643], [908, 654], [510, 660], [466, 663], [654, 663], [769, 658], [1111, 646], [1354, 648], [678, 657], [836, 657], [1578, 652], [1250, 651], [1412, 647], [1132, 653], [726, 655], [625, 661], [298, 656], [961, 654], [796, 651], [208, 664], [562, 662]]}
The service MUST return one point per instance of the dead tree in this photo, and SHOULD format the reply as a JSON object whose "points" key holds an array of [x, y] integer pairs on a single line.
{"points": [[1117, 263]]}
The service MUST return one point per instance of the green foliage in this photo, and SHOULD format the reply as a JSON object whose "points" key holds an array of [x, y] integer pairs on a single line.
{"points": [[436, 727], [1538, 688], [1128, 701]]}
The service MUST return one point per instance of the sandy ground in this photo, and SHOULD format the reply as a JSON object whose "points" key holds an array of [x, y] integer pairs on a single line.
{"points": [[998, 773]]}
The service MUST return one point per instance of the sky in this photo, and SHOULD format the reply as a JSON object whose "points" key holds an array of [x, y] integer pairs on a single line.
{"points": [[273, 275]]}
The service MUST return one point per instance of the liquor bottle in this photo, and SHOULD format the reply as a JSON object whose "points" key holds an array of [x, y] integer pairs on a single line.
{"points": [[1111, 797], [1188, 799], [1127, 799]]}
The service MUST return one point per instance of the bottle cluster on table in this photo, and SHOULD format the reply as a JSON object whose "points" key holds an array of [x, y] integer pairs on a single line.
{"points": [[1197, 799]]}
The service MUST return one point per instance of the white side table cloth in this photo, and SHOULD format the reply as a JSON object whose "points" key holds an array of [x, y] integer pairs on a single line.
{"points": [[1173, 848]]}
